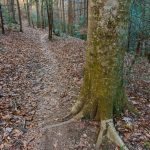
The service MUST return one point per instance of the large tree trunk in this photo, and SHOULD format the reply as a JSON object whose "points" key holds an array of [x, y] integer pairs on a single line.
{"points": [[103, 89], [102, 93]]}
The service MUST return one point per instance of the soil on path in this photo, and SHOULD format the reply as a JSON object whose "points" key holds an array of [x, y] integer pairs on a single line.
{"points": [[59, 77], [40, 82]]}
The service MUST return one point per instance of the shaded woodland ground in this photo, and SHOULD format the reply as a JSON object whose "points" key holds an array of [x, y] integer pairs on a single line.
{"points": [[39, 83]]}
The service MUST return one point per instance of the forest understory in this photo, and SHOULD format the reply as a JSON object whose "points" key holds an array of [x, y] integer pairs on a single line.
{"points": [[39, 84]]}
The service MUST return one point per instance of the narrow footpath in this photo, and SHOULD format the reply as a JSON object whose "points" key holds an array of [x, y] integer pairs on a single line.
{"points": [[59, 77], [40, 81]]}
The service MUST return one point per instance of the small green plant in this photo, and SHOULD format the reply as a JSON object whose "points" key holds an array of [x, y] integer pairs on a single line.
{"points": [[147, 145]]}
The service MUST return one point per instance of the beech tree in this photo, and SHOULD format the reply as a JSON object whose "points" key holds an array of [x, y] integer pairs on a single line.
{"points": [[102, 94]]}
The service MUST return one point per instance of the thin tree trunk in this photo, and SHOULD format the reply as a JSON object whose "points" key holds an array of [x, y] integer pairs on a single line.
{"points": [[129, 36], [42, 14], [28, 13], [49, 5], [45, 21], [32, 21], [63, 17], [38, 14], [74, 11], [19, 13], [59, 16], [85, 8], [2, 22], [11, 9], [80, 8], [70, 17]]}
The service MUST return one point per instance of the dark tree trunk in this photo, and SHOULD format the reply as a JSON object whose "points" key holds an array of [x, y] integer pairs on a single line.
{"points": [[2, 22], [87, 10], [42, 14], [19, 13], [70, 17], [28, 13], [38, 13], [49, 5], [63, 16], [12, 10]]}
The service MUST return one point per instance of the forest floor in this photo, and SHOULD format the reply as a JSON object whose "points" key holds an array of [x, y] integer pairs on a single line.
{"points": [[39, 83]]}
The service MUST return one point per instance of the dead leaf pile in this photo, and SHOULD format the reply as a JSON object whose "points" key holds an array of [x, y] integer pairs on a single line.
{"points": [[18, 64], [40, 81]]}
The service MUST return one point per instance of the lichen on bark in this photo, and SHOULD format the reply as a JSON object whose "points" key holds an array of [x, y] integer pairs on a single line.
{"points": [[102, 92]]}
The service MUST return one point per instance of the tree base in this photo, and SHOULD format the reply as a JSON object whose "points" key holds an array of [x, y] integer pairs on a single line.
{"points": [[108, 130]]}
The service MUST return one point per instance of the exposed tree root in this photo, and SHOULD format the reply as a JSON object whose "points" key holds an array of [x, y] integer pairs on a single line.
{"points": [[58, 124], [77, 107], [108, 130], [67, 119], [91, 111]]}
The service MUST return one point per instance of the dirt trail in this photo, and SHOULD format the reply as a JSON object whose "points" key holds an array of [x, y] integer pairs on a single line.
{"points": [[39, 83], [60, 77], [59, 80]]}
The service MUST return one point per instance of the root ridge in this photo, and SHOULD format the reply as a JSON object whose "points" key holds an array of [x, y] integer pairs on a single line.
{"points": [[58, 124], [66, 120], [108, 130]]}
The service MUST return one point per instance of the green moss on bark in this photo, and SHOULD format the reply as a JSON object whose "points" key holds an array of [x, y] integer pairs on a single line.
{"points": [[103, 93]]}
